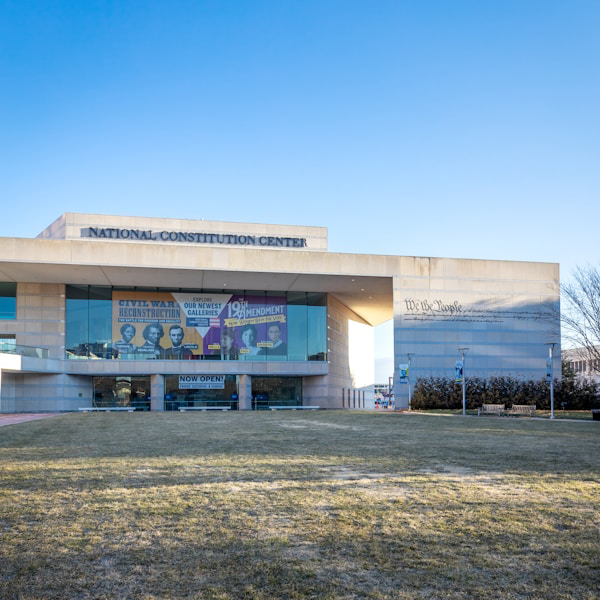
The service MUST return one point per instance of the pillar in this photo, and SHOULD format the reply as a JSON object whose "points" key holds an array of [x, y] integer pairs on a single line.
{"points": [[157, 392], [245, 392]]}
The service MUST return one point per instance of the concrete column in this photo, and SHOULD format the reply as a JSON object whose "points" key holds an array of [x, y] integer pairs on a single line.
{"points": [[245, 392], [316, 392], [157, 392]]}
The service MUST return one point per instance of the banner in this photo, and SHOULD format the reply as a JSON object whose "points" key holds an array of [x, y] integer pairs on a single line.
{"points": [[187, 326], [458, 377], [250, 326], [403, 373], [549, 370], [202, 382]]}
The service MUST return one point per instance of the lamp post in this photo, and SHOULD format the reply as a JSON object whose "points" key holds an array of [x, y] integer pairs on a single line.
{"points": [[464, 389], [550, 376], [410, 355]]}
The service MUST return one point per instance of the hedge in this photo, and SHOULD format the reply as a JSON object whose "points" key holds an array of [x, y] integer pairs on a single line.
{"points": [[443, 392]]}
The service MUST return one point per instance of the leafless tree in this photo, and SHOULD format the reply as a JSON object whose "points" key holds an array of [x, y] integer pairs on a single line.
{"points": [[580, 314]]}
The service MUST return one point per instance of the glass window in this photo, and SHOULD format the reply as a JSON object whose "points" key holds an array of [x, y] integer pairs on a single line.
{"points": [[276, 331], [77, 321], [116, 323], [252, 329], [176, 398], [88, 321], [122, 391], [8, 343], [100, 307], [297, 325], [276, 391], [317, 326], [8, 300]]}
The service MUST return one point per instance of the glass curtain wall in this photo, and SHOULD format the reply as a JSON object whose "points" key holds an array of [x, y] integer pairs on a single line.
{"points": [[155, 323]]}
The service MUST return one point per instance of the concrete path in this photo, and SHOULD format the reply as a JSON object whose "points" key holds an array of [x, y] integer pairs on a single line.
{"points": [[13, 419]]}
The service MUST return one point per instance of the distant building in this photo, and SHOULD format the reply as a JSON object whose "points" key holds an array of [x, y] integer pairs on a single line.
{"points": [[384, 395], [581, 363]]}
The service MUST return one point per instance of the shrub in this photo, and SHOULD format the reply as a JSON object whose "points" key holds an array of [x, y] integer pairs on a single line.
{"points": [[443, 392]]}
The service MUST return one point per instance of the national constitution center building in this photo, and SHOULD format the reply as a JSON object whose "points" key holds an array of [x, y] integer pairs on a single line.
{"points": [[160, 314]]}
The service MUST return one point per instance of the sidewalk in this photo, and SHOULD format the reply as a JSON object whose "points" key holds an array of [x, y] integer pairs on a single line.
{"points": [[13, 419]]}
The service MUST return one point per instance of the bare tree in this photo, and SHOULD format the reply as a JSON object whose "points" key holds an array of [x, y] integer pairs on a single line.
{"points": [[580, 314]]}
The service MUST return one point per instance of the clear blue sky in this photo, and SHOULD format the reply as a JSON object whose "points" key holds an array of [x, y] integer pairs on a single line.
{"points": [[461, 128]]}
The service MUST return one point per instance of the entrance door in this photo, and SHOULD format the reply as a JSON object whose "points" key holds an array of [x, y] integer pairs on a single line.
{"points": [[276, 391], [224, 396], [111, 392]]}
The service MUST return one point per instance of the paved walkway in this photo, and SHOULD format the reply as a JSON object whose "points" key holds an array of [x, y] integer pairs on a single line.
{"points": [[13, 419]]}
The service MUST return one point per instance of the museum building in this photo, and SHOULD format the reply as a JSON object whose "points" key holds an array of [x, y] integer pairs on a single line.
{"points": [[162, 314]]}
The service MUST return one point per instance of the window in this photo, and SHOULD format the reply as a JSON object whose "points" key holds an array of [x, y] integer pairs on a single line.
{"points": [[177, 397], [276, 391], [88, 318], [8, 343], [122, 391], [8, 300]]}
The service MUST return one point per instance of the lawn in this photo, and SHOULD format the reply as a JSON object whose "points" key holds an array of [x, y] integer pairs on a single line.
{"points": [[326, 504], [540, 414]]}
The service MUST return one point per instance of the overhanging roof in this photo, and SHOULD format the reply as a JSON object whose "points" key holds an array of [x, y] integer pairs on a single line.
{"points": [[361, 282]]}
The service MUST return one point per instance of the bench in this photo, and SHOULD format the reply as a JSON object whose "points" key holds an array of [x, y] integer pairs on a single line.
{"points": [[294, 407], [522, 409], [491, 409], [107, 409], [184, 408]]}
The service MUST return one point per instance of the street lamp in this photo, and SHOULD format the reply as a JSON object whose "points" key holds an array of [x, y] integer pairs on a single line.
{"points": [[550, 376], [464, 389], [410, 355]]}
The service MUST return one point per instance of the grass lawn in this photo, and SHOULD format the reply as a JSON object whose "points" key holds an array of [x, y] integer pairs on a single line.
{"points": [[299, 505], [543, 414]]}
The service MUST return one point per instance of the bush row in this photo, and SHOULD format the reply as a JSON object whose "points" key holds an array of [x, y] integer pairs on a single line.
{"points": [[441, 392]]}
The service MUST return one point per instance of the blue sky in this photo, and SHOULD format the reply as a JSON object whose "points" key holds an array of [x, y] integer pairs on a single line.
{"points": [[433, 127]]}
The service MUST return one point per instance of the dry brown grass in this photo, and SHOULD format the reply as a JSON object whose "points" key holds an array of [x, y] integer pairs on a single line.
{"points": [[294, 505]]}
